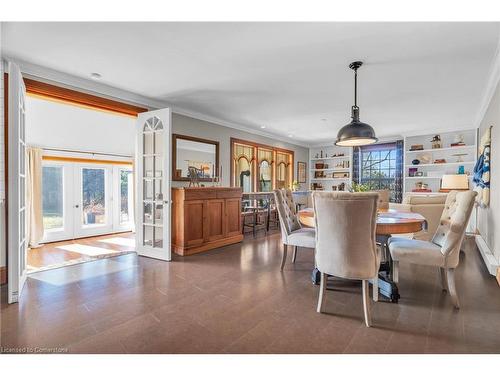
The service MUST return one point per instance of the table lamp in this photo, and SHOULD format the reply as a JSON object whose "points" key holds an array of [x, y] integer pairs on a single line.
{"points": [[454, 182]]}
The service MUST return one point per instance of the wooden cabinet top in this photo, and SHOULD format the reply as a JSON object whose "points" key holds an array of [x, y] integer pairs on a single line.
{"points": [[192, 193]]}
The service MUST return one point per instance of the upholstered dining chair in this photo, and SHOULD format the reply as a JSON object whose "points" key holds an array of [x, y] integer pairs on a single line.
{"points": [[292, 233], [345, 240], [444, 249], [384, 197]]}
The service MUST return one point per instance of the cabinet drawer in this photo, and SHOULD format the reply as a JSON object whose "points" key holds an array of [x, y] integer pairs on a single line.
{"points": [[190, 195], [233, 193]]}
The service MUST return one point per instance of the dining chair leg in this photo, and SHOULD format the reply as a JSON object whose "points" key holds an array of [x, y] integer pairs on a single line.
{"points": [[366, 302], [395, 271], [294, 254], [283, 258], [375, 289], [322, 292], [450, 276], [444, 282]]}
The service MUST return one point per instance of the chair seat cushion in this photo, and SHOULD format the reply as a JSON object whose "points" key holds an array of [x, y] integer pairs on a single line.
{"points": [[416, 251], [304, 237]]}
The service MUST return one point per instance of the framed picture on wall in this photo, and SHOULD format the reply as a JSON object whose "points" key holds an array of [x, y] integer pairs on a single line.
{"points": [[301, 172]]}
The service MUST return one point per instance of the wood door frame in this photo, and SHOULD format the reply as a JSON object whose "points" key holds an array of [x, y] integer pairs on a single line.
{"points": [[175, 137], [60, 94]]}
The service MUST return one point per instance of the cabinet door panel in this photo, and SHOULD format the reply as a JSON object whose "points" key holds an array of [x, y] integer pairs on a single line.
{"points": [[194, 216], [233, 216], [216, 219]]}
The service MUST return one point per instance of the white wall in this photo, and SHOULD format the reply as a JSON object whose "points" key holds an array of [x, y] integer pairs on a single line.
{"points": [[63, 126], [197, 128], [488, 219]]}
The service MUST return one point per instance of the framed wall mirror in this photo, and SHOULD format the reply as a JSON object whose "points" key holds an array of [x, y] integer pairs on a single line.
{"points": [[194, 155]]}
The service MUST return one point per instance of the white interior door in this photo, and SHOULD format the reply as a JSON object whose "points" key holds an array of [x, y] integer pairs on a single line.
{"points": [[153, 184], [92, 200], [17, 185]]}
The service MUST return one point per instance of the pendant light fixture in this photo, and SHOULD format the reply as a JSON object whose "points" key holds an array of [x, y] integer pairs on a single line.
{"points": [[356, 133]]}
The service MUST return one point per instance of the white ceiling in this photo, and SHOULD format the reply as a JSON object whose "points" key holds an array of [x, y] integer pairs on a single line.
{"points": [[285, 76]]}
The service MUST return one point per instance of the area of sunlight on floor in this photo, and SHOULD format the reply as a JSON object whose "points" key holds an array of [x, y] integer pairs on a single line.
{"points": [[87, 250], [121, 241]]}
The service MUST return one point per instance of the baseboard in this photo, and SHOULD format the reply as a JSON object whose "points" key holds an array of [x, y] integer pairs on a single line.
{"points": [[489, 259], [3, 275]]}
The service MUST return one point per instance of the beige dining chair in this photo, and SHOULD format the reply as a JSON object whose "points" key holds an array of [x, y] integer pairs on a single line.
{"points": [[345, 240], [444, 249], [292, 233], [384, 197]]}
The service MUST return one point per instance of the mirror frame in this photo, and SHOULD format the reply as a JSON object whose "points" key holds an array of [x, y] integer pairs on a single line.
{"points": [[175, 137]]}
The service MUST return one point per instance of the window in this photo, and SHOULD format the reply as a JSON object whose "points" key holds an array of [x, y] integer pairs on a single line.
{"points": [[259, 167], [52, 197], [379, 168]]}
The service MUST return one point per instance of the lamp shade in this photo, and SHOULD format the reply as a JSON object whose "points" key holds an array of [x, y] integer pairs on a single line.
{"points": [[356, 133], [455, 182]]}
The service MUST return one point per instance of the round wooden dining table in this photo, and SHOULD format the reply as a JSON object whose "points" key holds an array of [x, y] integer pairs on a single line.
{"points": [[389, 222]]}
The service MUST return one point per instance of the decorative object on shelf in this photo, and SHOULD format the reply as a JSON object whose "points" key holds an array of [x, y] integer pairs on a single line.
{"points": [[319, 165], [425, 158], [436, 141], [440, 161], [194, 176], [319, 174], [356, 133], [340, 175], [316, 156], [421, 187], [415, 162], [317, 186], [461, 169], [482, 170], [416, 147], [342, 186], [412, 172], [454, 182], [459, 141], [419, 174], [301, 172], [459, 157], [321, 154]]}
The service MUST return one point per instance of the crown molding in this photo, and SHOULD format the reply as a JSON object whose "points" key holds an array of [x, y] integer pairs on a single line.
{"points": [[70, 81], [493, 80], [217, 121]]}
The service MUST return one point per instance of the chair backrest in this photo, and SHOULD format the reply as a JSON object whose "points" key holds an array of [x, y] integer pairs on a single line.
{"points": [[345, 234], [286, 211], [453, 224], [383, 198]]}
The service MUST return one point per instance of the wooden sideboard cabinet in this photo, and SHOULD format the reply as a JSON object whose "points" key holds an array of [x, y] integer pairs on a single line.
{"points": [[204, 218]]}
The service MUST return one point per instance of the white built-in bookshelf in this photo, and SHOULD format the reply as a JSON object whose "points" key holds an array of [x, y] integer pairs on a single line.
{"points": [[429, 172], [330, 167]]}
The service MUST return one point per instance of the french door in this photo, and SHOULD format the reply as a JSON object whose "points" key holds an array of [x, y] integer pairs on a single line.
{"points": [[82, 200], [153, 184], [16, 185]]}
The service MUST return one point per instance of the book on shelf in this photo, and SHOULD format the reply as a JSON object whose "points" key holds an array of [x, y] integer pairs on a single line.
{"points": [[458, 144]]}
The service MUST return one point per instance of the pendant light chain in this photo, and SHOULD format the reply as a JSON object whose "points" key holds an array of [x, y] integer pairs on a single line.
{"points": [[356, 88]]}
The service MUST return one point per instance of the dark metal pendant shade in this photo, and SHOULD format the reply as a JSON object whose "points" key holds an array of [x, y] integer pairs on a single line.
{"points": [[356, 133]]}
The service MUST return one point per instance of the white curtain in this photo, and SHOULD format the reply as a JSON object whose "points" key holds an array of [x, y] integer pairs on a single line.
{"points": [[34, 216]]}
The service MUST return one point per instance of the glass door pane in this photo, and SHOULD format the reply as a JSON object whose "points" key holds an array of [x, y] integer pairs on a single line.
{"points": [[52, 198], [126, 201], [93, 196]]}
